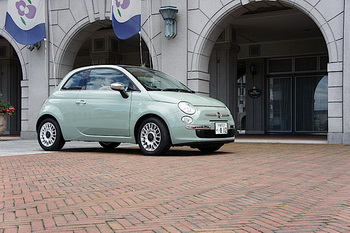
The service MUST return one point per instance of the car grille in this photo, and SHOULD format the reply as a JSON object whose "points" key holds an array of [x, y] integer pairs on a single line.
{"points": [[211, 134]]}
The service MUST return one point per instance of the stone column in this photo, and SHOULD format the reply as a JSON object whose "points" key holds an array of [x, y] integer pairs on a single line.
{"points": [[255, 107], [174, 51], [34, 90], [335, 103], [223, 74], [346, 75]]}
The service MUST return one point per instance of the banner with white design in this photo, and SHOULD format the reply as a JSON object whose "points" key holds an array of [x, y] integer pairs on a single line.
{"points": [[126, 18], [25, 20]]}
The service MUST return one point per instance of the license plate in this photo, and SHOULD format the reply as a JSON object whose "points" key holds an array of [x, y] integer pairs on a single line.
{"points": [[220, 128]]}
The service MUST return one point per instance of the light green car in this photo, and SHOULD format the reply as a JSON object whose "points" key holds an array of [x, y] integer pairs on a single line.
{"points": [[112, 104]]}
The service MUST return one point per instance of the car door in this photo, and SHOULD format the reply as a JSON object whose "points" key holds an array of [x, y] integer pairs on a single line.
{"points": [[64, 100], [101, 111]]}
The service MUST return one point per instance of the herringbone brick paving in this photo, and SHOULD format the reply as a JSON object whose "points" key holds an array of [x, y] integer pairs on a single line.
{"points": [[245, 187]]}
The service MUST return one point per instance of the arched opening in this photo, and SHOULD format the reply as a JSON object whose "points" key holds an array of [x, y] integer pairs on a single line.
{"points": [[96, 43], [10, 84], [273, 57], [103, 47]]}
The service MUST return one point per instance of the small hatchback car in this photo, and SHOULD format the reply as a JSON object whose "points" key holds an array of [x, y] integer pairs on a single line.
{"points": [[112, 104]]}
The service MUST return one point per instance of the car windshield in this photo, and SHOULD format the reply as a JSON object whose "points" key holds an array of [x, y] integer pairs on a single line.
{"points": [[154, 80]]}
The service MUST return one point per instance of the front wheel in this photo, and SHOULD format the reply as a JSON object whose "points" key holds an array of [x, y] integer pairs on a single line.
{"points": [[109, 145], [153, 137], [50, 136]]}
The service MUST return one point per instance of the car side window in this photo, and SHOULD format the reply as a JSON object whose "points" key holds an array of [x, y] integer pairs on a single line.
{"points": [[101, 79], [76, 81]]}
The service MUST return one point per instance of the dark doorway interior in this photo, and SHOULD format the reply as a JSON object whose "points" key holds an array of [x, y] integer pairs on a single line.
{"points": [[10, 84]]}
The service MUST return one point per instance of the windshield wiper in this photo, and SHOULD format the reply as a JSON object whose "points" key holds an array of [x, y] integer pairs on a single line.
{"points": [[152, 88], [178, 90]]}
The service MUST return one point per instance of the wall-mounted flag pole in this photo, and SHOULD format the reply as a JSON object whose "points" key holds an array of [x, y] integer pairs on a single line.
{"points": [[126, 18], [25, 21]]}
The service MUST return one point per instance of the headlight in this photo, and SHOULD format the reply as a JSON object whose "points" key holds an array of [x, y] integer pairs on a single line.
{"points": [[187, 108]]}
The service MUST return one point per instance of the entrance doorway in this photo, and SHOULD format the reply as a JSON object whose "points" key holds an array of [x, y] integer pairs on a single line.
{"points": [[10, 87], [276, 57], [297, 95]]}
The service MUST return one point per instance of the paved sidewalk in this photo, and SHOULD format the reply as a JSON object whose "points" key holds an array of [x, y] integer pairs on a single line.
{"points": [[16, 146], [245, 187]]}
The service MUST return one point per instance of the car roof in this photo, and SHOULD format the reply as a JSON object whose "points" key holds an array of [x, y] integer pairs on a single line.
{"points": [[109, 65]]}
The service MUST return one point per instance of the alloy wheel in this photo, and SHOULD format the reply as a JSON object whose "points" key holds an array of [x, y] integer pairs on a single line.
{"points": [[150, 136], [48, 134]]}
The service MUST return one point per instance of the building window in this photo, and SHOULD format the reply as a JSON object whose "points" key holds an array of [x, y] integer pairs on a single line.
{"points": [[99, 45], [255, 50], [297, 65], [280, 66], [297, 90], [279, 105], [306, 64]]}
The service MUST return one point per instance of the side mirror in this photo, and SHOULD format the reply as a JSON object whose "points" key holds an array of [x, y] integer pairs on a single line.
{"points": [[121, 88]]}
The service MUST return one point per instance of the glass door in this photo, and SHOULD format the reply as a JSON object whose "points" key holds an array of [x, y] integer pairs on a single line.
{"points": [[279, 104], [311, 108], [306, 112]]}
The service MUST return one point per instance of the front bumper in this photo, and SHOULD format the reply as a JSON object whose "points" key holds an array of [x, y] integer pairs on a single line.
{"points": [[207, 131], [203, 134], [207, 127]]}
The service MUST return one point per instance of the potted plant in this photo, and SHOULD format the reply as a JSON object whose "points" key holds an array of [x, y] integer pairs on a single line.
{"points": [[5, 109]]}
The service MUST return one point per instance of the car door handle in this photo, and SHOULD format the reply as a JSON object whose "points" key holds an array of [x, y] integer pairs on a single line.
{"points": [[80, 102]]}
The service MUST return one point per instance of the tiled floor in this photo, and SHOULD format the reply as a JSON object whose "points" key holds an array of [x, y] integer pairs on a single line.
{"points": [[245, 187]]}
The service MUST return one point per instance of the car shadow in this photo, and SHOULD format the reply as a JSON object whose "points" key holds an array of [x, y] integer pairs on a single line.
{"points": [[173, 152]]}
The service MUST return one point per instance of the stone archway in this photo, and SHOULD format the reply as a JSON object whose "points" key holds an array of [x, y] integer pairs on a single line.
{"points": [[11, 75], [210, 29], [70, 45], [206, 33], [81, 21], [85, 41]]}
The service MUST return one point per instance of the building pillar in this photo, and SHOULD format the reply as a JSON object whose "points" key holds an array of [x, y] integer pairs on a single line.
{"points": [[255, 106], [34, 90], [346, 75], [223, 74], [174, 50], [335, 103]]}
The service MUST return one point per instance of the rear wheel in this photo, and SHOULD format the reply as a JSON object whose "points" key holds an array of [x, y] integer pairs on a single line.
{"points": [[50, 136], [153, 137], [109, 145]]}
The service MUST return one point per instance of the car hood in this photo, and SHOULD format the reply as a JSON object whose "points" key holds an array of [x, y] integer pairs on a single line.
{"points": [[193, 98]]}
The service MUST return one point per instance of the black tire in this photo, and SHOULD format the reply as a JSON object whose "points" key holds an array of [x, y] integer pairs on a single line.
{"points": [[109, 145], [210, 148], [153, 137], [50, 136]]}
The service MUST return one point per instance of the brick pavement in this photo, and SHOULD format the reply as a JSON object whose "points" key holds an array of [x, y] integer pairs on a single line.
{"points": [[245, 187]]}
